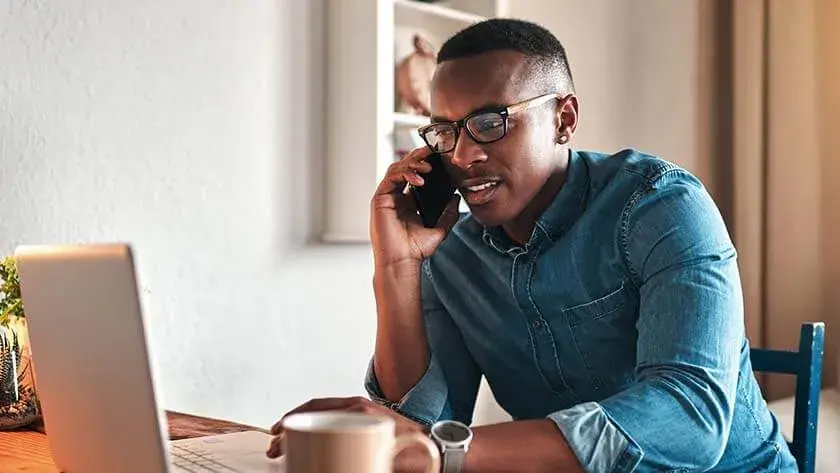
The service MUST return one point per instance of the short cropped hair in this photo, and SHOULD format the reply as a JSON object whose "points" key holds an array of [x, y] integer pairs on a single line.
{"points": [[547, 55]]}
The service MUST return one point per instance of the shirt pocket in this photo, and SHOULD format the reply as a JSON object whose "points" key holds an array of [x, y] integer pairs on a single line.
{"points": [[596, 309], [604, 333]]}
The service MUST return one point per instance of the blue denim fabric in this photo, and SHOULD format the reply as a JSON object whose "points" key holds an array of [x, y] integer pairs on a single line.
{"points": [[621, 320]]}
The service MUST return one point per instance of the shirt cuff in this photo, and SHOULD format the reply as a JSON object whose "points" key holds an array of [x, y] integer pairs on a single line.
{"points": [[598, 443], [423, 403]]}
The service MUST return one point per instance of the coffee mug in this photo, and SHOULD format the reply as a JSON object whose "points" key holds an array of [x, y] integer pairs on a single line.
{"points": [[347, 442]]}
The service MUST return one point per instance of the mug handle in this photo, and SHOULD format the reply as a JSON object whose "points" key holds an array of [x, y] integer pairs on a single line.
{"points": [[407, 440]]}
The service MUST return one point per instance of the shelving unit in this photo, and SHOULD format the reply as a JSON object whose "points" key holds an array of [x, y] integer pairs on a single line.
{"points": [[416, 13], [366, 41]]}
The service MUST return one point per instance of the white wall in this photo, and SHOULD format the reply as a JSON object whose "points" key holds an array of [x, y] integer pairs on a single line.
{"points": [[190, 129]]}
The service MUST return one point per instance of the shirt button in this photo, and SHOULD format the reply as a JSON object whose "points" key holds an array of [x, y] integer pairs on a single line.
{"points": [[537, 324]]}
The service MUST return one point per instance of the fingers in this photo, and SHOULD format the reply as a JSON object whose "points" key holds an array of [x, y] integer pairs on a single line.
{"points": [[423, 167], [413, 177], [416, 154], [315, 405], [366, 408], [350, 404], [450, 215], [275, 447], [406, 170]]}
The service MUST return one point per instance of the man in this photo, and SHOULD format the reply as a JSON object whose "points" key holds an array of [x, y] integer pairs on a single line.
{"points": [[599, 295]]}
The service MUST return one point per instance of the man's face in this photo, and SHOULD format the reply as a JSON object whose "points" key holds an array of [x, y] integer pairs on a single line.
{"points": [[498, 180]]}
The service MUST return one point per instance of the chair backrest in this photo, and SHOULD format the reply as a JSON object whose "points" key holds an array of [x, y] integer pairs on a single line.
{"points": [[806, 365]]}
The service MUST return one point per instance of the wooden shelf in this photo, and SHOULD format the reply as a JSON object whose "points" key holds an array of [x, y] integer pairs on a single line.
{"points": [[411, 8]]}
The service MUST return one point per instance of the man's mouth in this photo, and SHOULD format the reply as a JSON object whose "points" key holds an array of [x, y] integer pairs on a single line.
{"points": [[479, 191]]}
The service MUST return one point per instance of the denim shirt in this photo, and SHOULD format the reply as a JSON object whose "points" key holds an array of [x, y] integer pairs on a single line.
{"points": [[620, 319]]}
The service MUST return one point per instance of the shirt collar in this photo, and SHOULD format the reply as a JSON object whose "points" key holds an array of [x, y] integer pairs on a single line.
{"points": [[560, 215]]}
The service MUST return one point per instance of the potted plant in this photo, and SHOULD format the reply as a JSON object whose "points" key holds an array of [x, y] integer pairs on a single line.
{"points": [[18, 400]]}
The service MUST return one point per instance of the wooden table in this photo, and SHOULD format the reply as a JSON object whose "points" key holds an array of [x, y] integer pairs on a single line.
{"points": [[27, 450]]}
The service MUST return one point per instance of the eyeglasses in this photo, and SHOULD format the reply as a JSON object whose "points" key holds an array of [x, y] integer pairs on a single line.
{"points": [[484, 126]]}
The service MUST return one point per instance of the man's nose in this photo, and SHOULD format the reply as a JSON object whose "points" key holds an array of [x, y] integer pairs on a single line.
{"points": [[467, 152]]}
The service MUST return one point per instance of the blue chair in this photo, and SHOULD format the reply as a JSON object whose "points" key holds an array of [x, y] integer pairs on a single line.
{"points": [[806, 364]]}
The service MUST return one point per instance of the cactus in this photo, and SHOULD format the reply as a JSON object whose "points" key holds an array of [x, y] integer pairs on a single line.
{"points": [[10, 360], [18, 401]]}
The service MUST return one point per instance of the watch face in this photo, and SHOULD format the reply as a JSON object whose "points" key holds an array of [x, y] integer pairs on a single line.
{"points": [[454, 432]]}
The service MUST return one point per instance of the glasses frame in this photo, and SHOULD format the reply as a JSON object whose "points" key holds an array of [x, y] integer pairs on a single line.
{"points": [[504, 112]]}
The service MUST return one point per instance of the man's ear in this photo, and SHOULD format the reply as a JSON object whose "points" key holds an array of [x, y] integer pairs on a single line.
{"points": [[567, 118]]}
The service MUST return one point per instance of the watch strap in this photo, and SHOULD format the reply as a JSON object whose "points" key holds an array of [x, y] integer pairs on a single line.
{"points": [[453, 460]]}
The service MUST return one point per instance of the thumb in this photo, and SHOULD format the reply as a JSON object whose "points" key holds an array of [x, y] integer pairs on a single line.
{"points": [[450, 216]]}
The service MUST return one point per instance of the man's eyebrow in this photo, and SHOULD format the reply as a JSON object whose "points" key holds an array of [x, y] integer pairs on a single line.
{"points": [[486, 107]]}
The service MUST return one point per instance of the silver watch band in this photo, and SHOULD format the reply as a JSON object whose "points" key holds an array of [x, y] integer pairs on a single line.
{"points": [[453, 460]]}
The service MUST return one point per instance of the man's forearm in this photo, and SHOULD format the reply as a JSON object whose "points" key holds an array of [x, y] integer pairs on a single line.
{"points": [[402, 354], [528, 445], [534, 446]]}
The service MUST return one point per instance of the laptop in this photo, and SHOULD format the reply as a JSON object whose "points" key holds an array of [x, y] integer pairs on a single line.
{"points": [[94, 375]]}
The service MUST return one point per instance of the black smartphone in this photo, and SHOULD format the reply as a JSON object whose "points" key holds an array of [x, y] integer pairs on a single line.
{"points": [[437, 190]]}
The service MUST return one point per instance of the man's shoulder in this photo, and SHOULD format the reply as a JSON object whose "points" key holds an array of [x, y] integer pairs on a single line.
{"points": [[628, 162], [628, 175]]}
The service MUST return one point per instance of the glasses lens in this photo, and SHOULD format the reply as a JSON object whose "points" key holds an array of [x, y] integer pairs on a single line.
{"points": [[486, 127], [441, 137]]}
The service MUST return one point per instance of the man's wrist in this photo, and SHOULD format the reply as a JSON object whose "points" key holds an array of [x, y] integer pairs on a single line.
{"points": [[398, 267], [453, 438], [404, 272]]}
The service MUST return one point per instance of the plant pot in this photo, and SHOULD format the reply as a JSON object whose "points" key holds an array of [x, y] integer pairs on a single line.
{"points": [[18, 400]]}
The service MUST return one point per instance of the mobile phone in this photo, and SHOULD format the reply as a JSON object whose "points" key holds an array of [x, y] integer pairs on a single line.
{"points": [[437, 190]]}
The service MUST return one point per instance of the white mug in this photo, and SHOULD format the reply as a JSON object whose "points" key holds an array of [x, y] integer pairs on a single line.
{"points": [[347, 442]]}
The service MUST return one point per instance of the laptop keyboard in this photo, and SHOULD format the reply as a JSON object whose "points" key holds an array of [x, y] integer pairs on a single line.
{"points": [[196, 460]]}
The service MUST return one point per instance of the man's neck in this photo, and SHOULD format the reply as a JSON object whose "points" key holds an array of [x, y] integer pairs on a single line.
{"points": [[520, 228]]}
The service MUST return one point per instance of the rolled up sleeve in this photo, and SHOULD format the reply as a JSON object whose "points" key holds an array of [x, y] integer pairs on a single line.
{"points": [[678, 412], [596, 441], [448, 388]]}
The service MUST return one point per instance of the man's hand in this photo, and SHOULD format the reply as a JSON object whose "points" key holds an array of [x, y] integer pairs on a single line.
{"points": [[397, 232], [350, 404]]}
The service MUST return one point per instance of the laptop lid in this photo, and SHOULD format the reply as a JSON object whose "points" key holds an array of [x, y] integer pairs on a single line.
{"points": [[92, 370]]}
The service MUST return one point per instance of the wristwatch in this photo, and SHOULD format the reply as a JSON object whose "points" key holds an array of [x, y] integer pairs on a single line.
{"points": [[453, 438]]}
